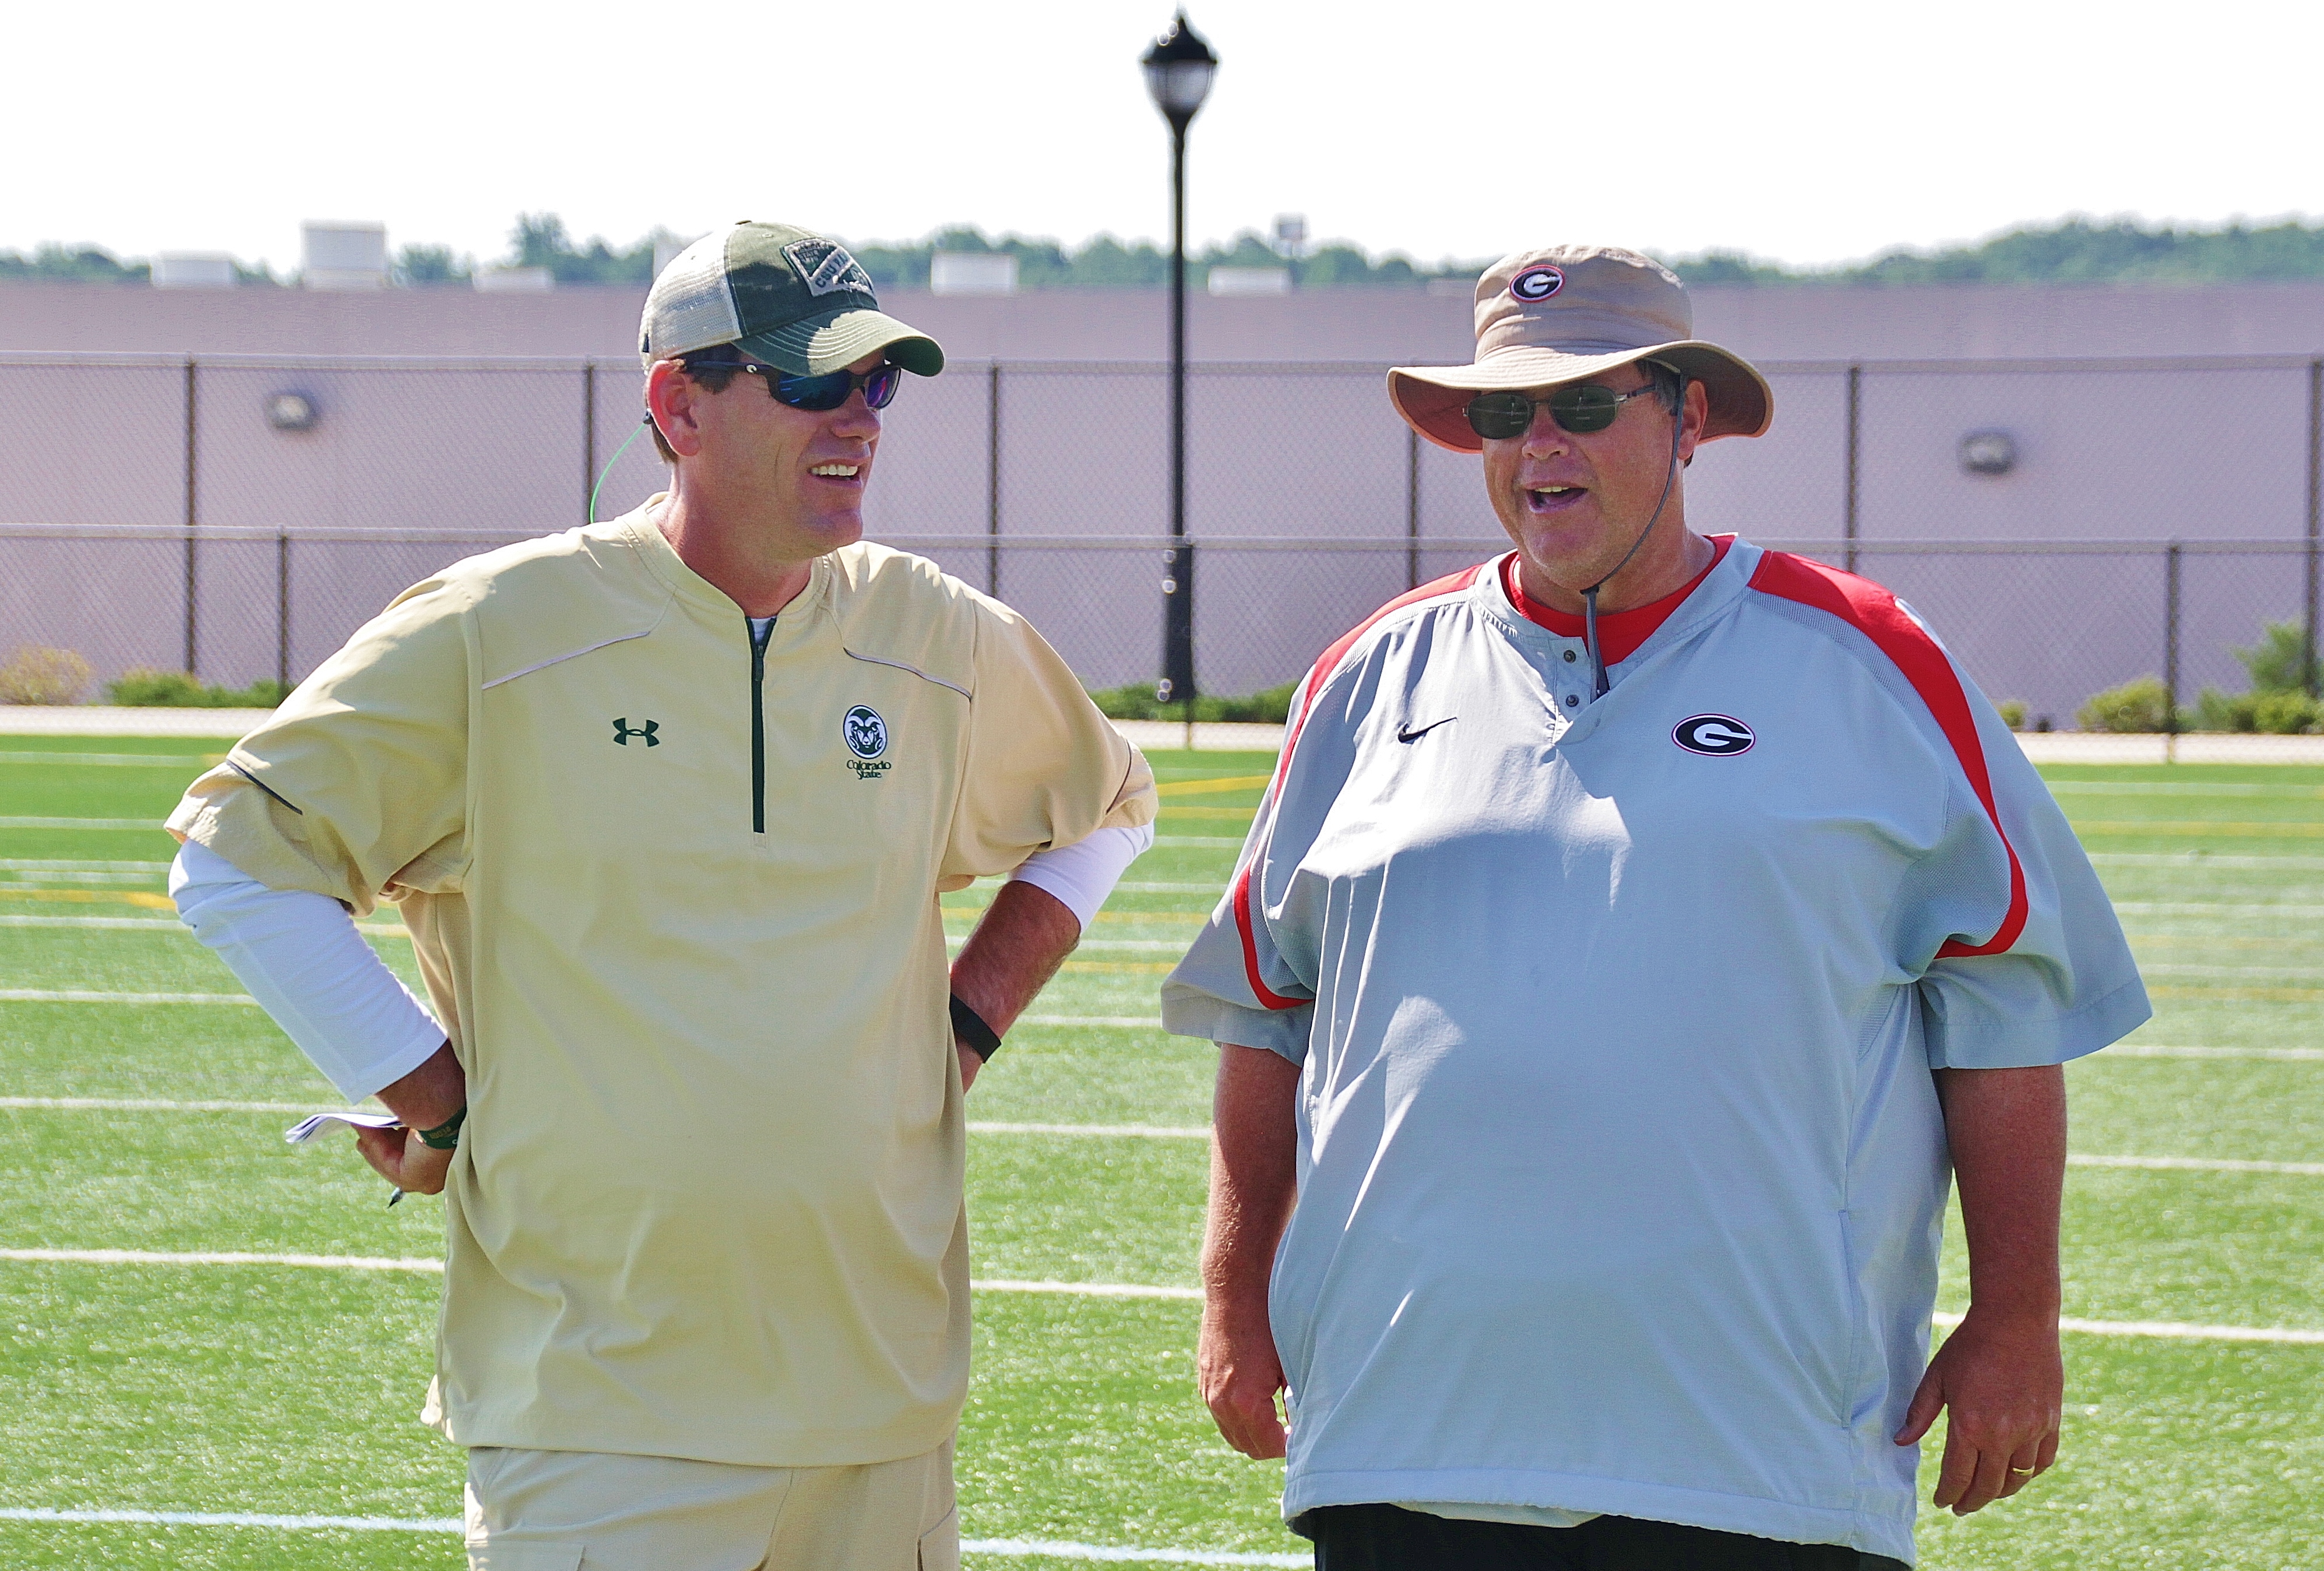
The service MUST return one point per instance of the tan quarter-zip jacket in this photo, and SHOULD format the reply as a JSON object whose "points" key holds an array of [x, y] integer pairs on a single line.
{"points": [[675, 901]]}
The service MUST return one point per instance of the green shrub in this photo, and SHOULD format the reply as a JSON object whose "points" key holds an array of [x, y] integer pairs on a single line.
{"points": [[34, 675], [2293, 713], [2281, 713], [2278, 662], [2140, 705], [1135, 701], [2278, 702], [144, 688], [2219, 711], [2012, 713]]}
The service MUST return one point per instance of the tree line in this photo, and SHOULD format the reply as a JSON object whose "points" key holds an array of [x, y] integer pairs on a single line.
{"points": [[2073, 251]]}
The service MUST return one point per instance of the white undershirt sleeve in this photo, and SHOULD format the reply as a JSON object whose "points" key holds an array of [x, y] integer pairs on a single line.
{"points": [[1084, 873], [301, 958]]}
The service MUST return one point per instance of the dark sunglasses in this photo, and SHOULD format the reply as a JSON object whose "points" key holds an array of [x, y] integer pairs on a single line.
{"points": [[1497, 416], [818, 394]]}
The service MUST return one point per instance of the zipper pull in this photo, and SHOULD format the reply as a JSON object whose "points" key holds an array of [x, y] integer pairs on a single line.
{"points": [[760, 636]]}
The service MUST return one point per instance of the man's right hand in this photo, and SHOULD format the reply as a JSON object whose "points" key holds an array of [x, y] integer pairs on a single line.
{"points": [[425, 1098], [400, 1157], [1238, 1374], [1254, 1150]]}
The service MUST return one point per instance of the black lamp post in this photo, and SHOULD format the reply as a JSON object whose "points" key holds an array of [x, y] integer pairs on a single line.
{"points": [[1178, 71]]}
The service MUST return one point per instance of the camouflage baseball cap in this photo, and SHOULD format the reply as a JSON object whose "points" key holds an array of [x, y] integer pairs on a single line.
{"points": [[780, 294]]}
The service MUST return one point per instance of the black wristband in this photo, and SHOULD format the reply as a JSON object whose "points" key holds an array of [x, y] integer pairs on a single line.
{"points": [[969, 1027], [445, 1136]]}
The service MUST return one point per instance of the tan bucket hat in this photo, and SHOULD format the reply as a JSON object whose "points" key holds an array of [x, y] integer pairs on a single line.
{"points": [[1565, 312]]}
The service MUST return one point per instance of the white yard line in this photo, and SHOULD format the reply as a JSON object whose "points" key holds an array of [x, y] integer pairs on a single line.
{"points": [[119, 760], [163, 924], [1090, 1289], [74, 995], [1081, 1130], [2200, 1165], [1110, 946], [158, 1104], [2204, 860], [1131, 1131], [2133, 787], [1215, 842], [2245, 973], [337, 1262], [2169, 1329], [61, 878], [2142, 907], [1046, 1549], [50, 864], [1110, 1554], [2176, 1330], [2270, 1055], [366, 1262], [302, 1524], [152, 1104], [1126, 1021], [79, 823]]}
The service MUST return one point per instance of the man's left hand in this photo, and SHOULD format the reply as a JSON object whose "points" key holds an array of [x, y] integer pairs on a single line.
{"points": [[2005, 1383]]}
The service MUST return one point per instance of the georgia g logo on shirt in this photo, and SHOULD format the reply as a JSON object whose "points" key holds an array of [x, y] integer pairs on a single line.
{"points": [[1713, 736]]}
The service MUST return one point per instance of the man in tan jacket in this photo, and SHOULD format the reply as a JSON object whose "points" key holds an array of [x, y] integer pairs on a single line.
{"points": [[667, 803]]}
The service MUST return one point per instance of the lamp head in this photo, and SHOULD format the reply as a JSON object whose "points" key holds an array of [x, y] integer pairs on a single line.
{"points": [[1178, 71]]}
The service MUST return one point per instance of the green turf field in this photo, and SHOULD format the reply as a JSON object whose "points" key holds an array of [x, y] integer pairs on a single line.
{"points": [[280, 1390]]}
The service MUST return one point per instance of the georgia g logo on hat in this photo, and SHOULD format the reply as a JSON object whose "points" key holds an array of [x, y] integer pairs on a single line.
{"points": [[1537, 283]]}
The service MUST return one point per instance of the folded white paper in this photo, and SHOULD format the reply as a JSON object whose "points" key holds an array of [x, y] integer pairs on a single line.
{"points": [[308, 1129]]}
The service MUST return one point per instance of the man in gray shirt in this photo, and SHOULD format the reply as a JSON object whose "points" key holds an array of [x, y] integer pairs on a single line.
{"points": [[1635, 928]]}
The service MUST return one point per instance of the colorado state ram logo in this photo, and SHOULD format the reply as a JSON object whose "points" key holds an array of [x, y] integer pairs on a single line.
{"points": [[865, 733]]}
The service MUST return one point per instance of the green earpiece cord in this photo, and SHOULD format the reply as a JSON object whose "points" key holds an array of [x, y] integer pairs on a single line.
{"points": [[608, 469]]}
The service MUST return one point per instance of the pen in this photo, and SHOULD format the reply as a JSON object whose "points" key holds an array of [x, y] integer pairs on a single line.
{"points": [[392, 1197]]}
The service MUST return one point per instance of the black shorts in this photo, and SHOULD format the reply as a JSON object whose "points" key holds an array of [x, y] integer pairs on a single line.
{"points": [[1387, 1537]]}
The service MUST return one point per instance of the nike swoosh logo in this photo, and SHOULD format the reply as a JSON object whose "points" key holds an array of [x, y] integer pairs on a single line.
{"points": [[1405, 735]]}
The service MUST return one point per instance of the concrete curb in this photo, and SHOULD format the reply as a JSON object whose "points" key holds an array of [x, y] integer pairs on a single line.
{"points": [[98, 720], [1208, 735], [2205, 747]]}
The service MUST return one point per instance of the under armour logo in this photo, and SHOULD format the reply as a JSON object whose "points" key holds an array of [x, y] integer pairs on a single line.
{"points": [[623, 731]]}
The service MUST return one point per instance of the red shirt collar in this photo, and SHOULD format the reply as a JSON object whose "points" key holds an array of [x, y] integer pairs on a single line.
{"points": [[1619, 633]]}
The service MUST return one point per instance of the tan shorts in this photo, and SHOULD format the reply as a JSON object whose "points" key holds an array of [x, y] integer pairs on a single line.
{"points": [[564, 1510]]}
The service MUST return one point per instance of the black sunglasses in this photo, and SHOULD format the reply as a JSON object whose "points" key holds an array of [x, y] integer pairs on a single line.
{"points": [[817, 394], [1497, 416]]}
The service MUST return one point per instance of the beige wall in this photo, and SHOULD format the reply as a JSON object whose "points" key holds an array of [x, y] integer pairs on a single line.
{"points": [[495, 445], [1949, 322]]}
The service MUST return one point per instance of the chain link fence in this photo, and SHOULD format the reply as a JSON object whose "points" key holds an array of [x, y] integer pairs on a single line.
{"points": [[2066, 526]]}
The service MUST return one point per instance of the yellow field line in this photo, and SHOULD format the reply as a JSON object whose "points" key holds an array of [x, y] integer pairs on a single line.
{"points": [[1175, 811], [152, 903], [1138, 968], [1195, 787]]}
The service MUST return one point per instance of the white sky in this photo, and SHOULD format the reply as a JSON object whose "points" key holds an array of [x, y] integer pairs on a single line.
{"points": [[1798, 130]]}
